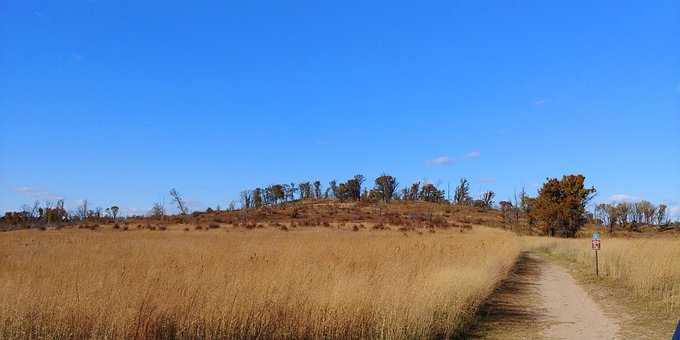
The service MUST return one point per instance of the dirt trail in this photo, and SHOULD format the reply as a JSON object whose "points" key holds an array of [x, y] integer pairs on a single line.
{"points": [[542, 301], [573, 312]]}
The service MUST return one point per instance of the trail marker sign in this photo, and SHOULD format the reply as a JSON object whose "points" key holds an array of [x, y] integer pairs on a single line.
{"points": [[596, 245]]}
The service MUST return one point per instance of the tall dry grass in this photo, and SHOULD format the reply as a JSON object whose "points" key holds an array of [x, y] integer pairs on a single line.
{"points": [[314, 283], [649, 268]]}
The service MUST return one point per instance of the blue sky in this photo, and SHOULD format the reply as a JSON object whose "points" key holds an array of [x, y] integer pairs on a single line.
{"points": [[119, 101]]}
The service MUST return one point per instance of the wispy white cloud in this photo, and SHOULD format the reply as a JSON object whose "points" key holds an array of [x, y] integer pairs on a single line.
{"points": [[441, 160], [37, 194], [24, 190], [617, 198], [127, 211], [487, 180], [473, 154], [539, 102], [447, 160]]}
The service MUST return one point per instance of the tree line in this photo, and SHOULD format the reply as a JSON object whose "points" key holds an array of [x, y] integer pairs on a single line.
{"points": [[384, 189], [50, 212], [558, 209], [631, 215]]}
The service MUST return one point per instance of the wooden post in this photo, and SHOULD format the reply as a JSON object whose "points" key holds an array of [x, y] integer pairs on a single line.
{"points": [[597, 266], [595, 245]]}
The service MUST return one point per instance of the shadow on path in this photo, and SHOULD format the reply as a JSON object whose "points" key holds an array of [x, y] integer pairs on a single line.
{"points": [[512, 306]]}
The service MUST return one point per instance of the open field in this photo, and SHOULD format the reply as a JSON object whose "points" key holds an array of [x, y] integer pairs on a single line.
{"points": [[307, 283], [320, 270]]}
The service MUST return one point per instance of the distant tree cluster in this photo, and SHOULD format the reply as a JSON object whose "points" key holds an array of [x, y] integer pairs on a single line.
{"points": [[631, 215], [53, 212], [385, 189]]}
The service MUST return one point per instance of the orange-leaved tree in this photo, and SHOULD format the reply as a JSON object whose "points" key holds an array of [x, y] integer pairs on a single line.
{"points": [[561, 205]]}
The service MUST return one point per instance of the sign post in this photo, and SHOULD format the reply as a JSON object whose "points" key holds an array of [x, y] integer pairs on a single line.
{"points": [[596, 245]]}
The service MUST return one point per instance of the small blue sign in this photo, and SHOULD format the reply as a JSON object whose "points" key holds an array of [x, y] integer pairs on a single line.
{"points": [[596, 235], [676, 336]]}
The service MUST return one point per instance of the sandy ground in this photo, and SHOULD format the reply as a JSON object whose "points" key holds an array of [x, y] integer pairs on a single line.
{"points": [[572, 312], [541, 300]]}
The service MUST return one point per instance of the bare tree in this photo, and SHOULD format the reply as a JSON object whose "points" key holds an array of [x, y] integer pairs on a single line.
{"points": [[333, 187], [506, 208], [354, 186], [257, 197], [157, 210], [179, 201], [36, 210], [246, 198], [60, 214], [317, 189], [114, 211], [305, 190], [290, 190], [82, 210], [462, 193], [648, 210], [661, 217], [623, 211], [487, 198], [97, 213]]}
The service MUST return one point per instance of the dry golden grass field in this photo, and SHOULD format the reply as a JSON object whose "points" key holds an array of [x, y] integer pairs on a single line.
{"points": [[242, 283], [313, 270]]}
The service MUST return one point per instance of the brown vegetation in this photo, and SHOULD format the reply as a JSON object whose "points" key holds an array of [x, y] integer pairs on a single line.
{"points": [[311, 283]]}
